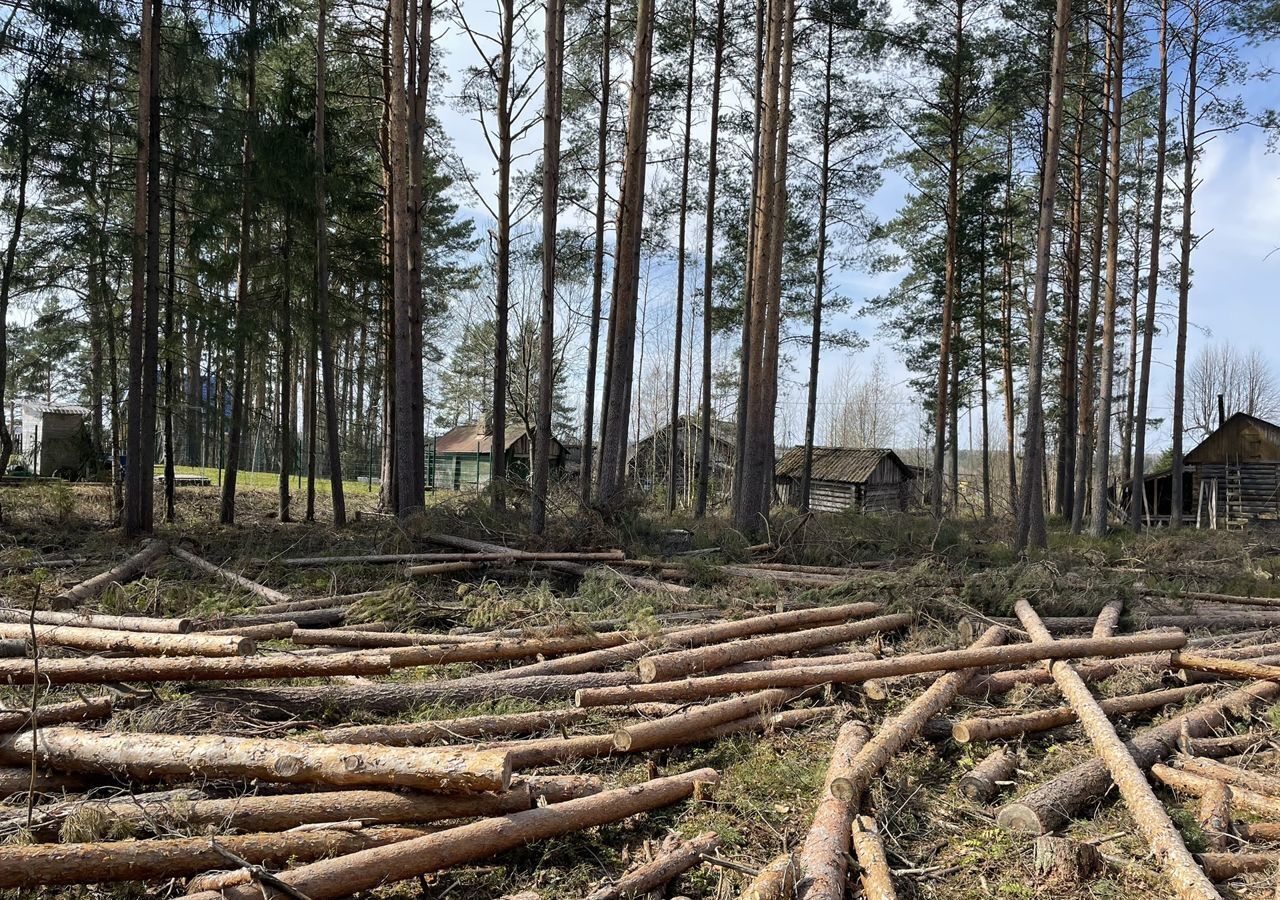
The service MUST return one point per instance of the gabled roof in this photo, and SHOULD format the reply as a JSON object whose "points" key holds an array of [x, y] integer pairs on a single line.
{"points": [[1203, 451], [65, 409], [721, 431], [474, 439], [849, 464]]}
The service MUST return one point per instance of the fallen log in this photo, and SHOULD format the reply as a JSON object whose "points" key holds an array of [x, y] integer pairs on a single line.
{"points": [[1209, 597], [464, 651], [103, 670], [307, 618], [271, 631], [1187, 782], [1108, 619], [156, 859], [1232, 668], [165, 812], [1225, 866], [877, 882], [1228, 774], [482, 556], [1227, 745], [125, 571], [665, 731], [986, 779], [97, 620], [721, 655], [414, 734], [20, 781], [802, 578], [852, 673], [823, 857], [776, 881], [991, 728], [397, 697], [132, 642], [1186, 878], [446, 568], [1055, 802], [791, 662], [674, 858], [897, 732], [1214, 816], [47, 818], [247, 584], [10, 649], [314, 603], [159, 756], [85, 710], [380, 866], [1258, 832]]}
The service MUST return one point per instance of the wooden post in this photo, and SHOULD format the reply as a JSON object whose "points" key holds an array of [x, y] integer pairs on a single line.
{"points": [[1186, 877]]}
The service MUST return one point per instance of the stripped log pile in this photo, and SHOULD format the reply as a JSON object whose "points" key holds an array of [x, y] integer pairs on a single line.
{"points": [[224, 746]]}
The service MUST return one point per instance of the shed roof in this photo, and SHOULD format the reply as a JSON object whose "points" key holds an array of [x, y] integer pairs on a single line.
{"points": [[721, 431], [43, 408], [1219, 445], [849, 464], [474, 439]]}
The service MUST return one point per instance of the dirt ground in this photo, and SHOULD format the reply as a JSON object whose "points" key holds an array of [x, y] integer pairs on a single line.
{"points": [[939, 844]]}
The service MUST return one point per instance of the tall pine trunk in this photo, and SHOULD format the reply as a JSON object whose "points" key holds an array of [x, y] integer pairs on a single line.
{"points": [[402, 316], [23, 124], [673, 436], [1064, 499], [502, 293]]}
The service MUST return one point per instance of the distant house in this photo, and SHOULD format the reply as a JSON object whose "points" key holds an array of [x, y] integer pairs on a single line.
{"points": [[462, 458], [865, 479], [648, 459], [55, 439]]}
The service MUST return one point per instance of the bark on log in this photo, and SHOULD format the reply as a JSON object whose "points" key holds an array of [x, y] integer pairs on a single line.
{"points": [[57, 713], [1228, 774], [1258, 832], [18, 781], [137, 643], [126, 571], [10, 649], [823, 857], [1228, 745], [1231, 668], [675, 858], [989, 728], [791, 662], [877, 881], [367, 869], [1064, 860], [946, 661], [718, 656], [1210, 597], [414, 734], [272, 631], [897, 732], [96, 620], [1185, 876], [1225, 866], [152, 860], [153, 756], [445, 568], [776, 881], [392, 558], [1108, 619], [314, 603], [1186, 782], [397, 697], [203, 565], [102, 670], [466, 651], [988, 777], [1214, 815], [307, 618], [664, 732], [1055, 802], [280, 812]]}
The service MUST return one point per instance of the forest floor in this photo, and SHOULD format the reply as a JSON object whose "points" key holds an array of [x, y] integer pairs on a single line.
{"points": [[943, 845]]}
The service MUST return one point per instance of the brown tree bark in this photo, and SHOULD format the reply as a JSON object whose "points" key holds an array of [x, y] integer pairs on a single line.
{"points": [[823, 858], [131, 568], [673, 859], [985, 779], [92, 620], [133, 642], [103, 670], [197, 562], [877, 881]]}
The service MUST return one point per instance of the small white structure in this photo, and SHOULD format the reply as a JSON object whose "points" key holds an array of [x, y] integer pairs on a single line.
{"points": [[54, 439]]}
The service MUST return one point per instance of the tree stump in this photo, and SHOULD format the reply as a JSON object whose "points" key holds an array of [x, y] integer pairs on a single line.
{"points": [[1065, 860]]}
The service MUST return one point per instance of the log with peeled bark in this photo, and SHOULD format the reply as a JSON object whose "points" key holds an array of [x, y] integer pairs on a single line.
{"points": [[667, 666], [247, 584], [1187, 782], [15, 780], [479, 556], [945, 661], [104, 670], [1186, 878], [823, 857], [1214, 816], [1228, 774], [897, 732], [85, 710], [1231, 668], [776, 881], [413, 734], [126, 571], [397, 697], [160, 756], [165, 813], [877, 881], [137, 643], [989, 728], [97, 620], [380, 866], [1052, 804], [673, 859], [665, 731], [986, 779], [157, 859]]}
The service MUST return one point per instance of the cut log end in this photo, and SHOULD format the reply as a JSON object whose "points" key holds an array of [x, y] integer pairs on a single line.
{"points": [[1066, 861], [1021, 819]]}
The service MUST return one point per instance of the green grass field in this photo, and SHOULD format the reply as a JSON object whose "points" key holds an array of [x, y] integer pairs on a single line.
{"points": [[267, 481]]}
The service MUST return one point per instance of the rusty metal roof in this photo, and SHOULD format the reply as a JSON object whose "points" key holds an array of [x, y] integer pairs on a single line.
{"points": [[474, 439], [849, 464]]}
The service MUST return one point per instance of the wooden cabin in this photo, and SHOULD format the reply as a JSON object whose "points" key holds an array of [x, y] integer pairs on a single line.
{"points": [[860, 478], [1235, 474], [462, 458], [648, 459]]}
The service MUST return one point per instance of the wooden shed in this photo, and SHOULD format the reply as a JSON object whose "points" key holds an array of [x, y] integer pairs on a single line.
{"points": [[55, 439], [1235, 473], [648, 459], [861, 478], [462, 458]]}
